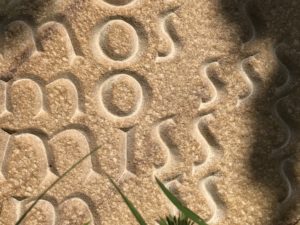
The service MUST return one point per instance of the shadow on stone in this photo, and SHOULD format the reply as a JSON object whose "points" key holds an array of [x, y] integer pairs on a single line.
{"points": [[275, 106]]}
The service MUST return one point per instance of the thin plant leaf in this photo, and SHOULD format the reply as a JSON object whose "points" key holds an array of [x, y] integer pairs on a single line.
{"points": [[54, 183], [130, 205], [184, 210], [175, 220], [162, 222], [88, 223]]}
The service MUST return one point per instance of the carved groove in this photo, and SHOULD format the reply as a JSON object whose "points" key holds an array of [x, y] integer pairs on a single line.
{"points": [[203, 136], [99, 41], [119, 3], [216, 86], [170, 34], [104, 97], [282, 93], [39, 95], [3, 99], [35, 37], [169, 148], [252, 80], [254, 19], [70, 140], [127, 164], [67, 216], [216, 205], [52, 26], [206, 139]]}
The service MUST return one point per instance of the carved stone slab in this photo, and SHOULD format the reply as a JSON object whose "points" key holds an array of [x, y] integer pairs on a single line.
{"points": [[203, 94]]}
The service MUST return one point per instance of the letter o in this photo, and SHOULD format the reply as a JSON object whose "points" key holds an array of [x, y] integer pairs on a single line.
{"points": [[103, 97]]}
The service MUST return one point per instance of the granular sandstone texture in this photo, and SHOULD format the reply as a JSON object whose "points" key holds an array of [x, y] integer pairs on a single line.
{"points": [[203, 94]]}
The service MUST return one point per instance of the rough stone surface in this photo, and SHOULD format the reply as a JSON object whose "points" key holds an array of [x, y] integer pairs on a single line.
{"points": [[200, 93]]}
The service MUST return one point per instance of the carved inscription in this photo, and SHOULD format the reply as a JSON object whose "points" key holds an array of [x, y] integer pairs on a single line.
{"points": [[19, 31], [72, 210], [26, 98], [43, 213], [57, 32], [23, 41], [3, 99], [117, 42], [105, 96], [77, 144], [119, 3], [211, 194], [25, 162], [282, 93], [127, 167], [169, 44], [251, 79], [159, 133], [63, 98], [78, 207], [4, 140], [208, 71], [203, 135], [30, 98]]}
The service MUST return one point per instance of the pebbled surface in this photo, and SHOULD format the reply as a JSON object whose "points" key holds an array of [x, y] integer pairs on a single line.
{"points": [[203, 94]]}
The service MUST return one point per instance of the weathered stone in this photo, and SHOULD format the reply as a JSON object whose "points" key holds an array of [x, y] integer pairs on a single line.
{"points": [[202, 94]]}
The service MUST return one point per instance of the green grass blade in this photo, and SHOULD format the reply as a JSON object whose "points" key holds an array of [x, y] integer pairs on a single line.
{"points": [[162, 222], [130, 205], [54, 183], [186, 211], [88, 223]]}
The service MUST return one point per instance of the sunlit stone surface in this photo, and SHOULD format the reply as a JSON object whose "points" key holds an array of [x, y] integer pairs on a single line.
{"points": [[203, 94]]}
